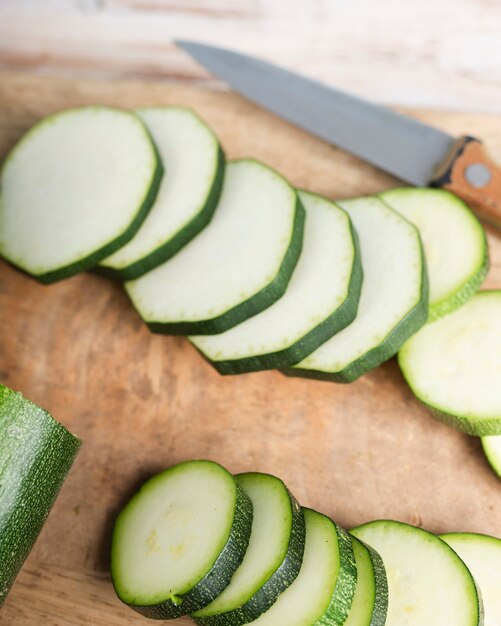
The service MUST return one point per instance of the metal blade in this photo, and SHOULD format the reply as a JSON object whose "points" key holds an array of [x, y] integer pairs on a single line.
{"points": [[392, 142]]}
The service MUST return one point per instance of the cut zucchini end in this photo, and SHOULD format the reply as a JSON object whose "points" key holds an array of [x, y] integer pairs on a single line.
{"points": [[178, 541], [450, 356], [30, 219]]}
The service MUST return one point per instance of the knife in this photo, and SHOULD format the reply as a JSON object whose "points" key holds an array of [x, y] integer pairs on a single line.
{"points": [[404, 147]]}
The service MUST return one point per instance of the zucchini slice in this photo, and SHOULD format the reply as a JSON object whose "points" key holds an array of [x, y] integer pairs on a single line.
{"points": [[36, 453], [482, 555], [394, 299], [370, 603], [322, 594], [454, 242], [74, 189], [321, 299], [273, 558], [180, 539], [492, 450], [428, 583], [239, 265], [188, 195], [452, 365]]}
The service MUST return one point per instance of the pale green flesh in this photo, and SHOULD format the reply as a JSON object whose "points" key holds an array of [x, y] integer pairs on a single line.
{"points": [[308, 597], [365, 592], [72, 185], [454, 243], [482, 555], [170, 534], [189, 153], [238, 254], [454, 364], [319, 285], [428, 584], [389, 291], [269, 541], [492, 449]]}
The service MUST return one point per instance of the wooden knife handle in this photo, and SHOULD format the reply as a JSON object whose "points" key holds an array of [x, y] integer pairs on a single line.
{"points": [[470, 174]]}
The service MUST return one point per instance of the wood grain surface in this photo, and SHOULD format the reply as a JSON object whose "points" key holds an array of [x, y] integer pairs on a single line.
{"points": [[142, 402], [438, 54]]}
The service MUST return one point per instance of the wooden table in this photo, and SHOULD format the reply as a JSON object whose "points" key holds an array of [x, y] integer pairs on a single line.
{"points": [[142, 402], [436, 54]]}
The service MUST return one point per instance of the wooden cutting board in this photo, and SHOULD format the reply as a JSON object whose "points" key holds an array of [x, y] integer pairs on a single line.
{"points": [[142, 402]]}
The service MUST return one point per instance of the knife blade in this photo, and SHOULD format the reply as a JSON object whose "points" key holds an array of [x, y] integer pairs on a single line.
{"points": [[395, 143], [410, 150]]}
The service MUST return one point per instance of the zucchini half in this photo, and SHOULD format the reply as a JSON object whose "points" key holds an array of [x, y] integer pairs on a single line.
{"points": [[320, 300], [454, 243], [180, 539], [323, 592], [188, 195], [236, 267], [393, 302], [273, 558], [74, 189], [428, 583], [452, 365], [36, 453]]}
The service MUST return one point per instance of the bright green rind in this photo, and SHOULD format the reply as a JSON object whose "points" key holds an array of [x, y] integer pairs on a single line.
{"points": [[336, 321], [253, 305], [183, 236], [408, 325], [268, 589], [92, 259], [342, 599], [204, 590], [36, 453]]}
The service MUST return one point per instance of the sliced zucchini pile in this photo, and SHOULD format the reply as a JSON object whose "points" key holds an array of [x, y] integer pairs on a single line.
{"points": [[289, 566], [75, 189], [482, 555], [454, 241], [36, 453], [188, 195], [394, 299], [239, 265], [453, 365], [428, 583], [321, 299]]}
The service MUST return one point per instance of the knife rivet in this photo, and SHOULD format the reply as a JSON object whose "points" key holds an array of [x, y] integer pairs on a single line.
{"points": [[478, 175]]}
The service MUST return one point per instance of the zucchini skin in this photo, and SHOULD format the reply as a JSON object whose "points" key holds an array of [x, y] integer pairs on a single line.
{"points": [[344, 591], [256, 303], [36, 453], [179, 240], [408, 325], [380, 608], [336, 321], [219, 576], [278, 582]]}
